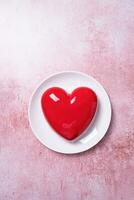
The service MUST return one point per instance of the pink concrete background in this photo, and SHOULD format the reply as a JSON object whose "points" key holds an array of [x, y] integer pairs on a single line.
{"points": [[38, 38]]}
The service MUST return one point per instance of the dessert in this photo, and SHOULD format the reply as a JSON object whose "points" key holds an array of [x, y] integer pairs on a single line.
{"points": [[69, 114]]}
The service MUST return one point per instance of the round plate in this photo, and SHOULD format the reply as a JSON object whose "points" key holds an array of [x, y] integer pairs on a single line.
{"points": [[46, 135]]}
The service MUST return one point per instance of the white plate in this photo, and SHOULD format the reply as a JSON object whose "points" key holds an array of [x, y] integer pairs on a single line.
{"points": [[69, 81]]}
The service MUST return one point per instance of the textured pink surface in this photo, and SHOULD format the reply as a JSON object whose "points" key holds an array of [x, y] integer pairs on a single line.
{"points": [[38, 38]]}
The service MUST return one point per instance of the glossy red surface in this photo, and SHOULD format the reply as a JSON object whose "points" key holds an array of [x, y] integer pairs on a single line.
{"points": [[69, 114]]}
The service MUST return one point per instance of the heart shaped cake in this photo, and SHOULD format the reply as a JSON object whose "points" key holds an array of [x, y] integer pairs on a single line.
{"points": [[69, 114]]}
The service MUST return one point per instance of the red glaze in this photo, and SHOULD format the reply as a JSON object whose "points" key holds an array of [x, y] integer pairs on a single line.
{"points": [[69, 114]]}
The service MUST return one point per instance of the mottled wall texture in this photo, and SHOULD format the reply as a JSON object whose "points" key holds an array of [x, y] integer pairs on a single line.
{"points": [[41, 37]]}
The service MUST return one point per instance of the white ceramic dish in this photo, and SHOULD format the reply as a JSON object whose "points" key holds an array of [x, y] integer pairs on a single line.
{"points": [[69, 80]]}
